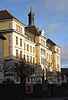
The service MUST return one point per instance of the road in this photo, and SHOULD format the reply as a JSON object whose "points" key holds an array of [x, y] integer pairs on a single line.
{"points": [[61, 98]]}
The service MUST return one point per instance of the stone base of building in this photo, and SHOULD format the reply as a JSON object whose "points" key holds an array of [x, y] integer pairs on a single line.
{"points": [[36, 77]]}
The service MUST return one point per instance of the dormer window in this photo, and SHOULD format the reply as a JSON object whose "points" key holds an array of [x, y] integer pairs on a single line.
{"points": [[18, 28], [57, 50]]}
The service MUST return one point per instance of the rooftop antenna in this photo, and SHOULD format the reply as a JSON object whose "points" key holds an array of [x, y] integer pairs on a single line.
{"points": [[31, 8]]}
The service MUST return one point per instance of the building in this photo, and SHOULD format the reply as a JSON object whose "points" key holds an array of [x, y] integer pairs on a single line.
{"points": [[2, 38], [30, 43], [64, 74]]}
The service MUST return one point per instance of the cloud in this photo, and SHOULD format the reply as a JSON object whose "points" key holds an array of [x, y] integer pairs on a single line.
{"points": [[64, 54], [54, 27]]}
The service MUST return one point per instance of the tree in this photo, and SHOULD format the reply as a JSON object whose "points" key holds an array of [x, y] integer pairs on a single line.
{"points": [[21, 69]]}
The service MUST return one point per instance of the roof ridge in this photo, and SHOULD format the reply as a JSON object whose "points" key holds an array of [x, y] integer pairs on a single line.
{"points": [[9, 15]]}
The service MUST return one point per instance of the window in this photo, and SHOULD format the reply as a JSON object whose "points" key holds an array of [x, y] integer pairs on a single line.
{"points": [[20, 54], [16, 53], [42, 61], [27, 58], [33, 60], [24, 46], [27, 47], [49, 64], [24, 57], [31, 49], [16, 40], [30, 59], [42, 42], [21, 42], [57, 50], [42, 51], [17, 79], [47, 55], [18, 28]]}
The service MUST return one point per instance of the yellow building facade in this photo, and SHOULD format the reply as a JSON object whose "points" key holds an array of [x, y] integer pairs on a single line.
{"points": [[2, 39], [28, 42]]}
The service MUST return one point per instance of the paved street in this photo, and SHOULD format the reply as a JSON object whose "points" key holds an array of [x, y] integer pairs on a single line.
{"points": [[61, 98]]}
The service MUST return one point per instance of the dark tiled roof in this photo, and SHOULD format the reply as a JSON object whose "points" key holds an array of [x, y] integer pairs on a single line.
{"points": [[4, 14], [51, 42], [33, 29], [2, 37]]}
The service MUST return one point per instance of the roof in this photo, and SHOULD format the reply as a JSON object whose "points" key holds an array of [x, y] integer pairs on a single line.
{"points": [[2, 37], [4, 14], [32, 29], [51, 42]]}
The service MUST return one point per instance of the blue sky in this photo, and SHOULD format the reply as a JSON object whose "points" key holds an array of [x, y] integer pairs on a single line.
{"points": [[50, 15]]}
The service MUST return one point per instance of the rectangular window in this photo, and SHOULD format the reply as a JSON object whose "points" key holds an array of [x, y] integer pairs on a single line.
{"points": [[16, 40], [42, 61], [43, 52], [27, 58], [20, 54], [30, 59], [17, 79], [16, 53], [42, 42], [49, 56], [18, 28], [33, 60], [21, 42], [24, 46], [27, 47], [31, 49]]}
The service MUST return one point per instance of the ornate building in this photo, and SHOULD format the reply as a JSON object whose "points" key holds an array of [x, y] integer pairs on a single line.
{"points": [[30, 43]]}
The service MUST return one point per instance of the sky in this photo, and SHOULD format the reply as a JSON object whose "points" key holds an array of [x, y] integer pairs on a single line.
{"points": [[50, 15]]}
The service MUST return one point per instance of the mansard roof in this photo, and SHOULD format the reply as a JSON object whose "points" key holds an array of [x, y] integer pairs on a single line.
{"points": [[51, 42], [32, 29], [4, 14]]}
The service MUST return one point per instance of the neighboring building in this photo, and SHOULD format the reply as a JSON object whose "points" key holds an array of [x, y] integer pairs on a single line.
{"points": [[2, 38], [29, 43], [64, 74]]}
